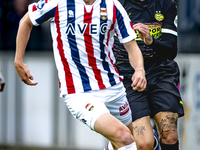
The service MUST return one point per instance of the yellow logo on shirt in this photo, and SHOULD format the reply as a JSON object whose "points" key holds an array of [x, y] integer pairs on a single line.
{"points": [[181, 102], [159, 16], [154, 29]]}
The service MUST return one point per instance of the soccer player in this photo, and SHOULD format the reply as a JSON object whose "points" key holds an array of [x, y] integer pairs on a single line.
{"points": [[155, 22], [83, 35]]}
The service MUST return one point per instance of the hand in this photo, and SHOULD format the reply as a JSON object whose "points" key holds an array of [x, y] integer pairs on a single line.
{"points": [[139, 80], [143, 33], [24, 73]]}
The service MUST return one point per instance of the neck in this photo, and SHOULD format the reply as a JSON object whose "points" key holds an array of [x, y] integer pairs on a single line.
{"points": [[89, 2]]}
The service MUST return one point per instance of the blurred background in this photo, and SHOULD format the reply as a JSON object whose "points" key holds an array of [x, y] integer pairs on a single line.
{"points": [[37, 118]]}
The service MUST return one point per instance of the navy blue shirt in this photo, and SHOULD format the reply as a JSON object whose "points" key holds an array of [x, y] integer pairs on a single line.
{"points": [[161, 18]]}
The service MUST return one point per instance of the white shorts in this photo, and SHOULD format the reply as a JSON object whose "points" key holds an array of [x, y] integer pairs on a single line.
{"points": [[88, 106]]}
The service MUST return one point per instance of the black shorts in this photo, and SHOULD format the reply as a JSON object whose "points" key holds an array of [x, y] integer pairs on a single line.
{"points": [[161, 94]]}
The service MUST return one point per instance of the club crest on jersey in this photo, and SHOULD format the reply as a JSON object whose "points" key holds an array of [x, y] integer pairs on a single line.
{"points": [[103, 13], [40, 4], [159, 16]]}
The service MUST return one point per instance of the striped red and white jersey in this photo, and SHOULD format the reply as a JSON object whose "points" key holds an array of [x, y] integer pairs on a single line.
{"points": [[83, 37]]}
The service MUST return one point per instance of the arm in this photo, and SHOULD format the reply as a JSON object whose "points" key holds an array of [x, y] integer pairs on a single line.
{"points": [[23, 35], [166, 48], [136, 61]]}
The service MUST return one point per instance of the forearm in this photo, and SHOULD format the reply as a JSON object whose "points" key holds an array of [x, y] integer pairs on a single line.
{"points": [[23, 35], [136, 61], [167, 47], [135, 55]]}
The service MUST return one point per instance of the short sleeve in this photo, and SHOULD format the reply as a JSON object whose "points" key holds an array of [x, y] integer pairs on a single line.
{"points": [[123, 27], [42, 11]]}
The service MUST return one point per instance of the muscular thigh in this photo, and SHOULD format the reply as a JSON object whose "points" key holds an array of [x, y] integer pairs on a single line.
{"points": [[138, 101], [142, 131]]}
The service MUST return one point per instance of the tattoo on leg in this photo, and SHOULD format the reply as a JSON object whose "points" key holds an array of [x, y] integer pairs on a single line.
{"points": [[138, 130], [167, 125]]}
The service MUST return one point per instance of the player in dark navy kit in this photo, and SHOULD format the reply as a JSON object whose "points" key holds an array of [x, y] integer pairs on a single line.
{"points": [[155, 22]]}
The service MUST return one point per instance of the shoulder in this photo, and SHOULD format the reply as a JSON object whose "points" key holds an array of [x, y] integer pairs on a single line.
{"points": [[167, 3], [42, 4], [117, 1], [122, 1], [168, 7], [118, 4]]}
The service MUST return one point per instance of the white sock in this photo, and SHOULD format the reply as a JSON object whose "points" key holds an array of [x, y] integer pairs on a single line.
{"points": [[132, 146]]}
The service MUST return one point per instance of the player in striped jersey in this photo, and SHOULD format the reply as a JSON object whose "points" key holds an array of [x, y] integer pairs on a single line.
{"points": [[83, 35]]}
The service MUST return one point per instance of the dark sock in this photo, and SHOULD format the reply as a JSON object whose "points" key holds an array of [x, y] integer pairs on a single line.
{"points": [[170, 146], [154, 143]]}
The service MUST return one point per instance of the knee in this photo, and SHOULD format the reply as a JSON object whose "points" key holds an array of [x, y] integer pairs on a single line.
{"points": [[124, 136], [170, 137], [145, 145], [167, 126]]}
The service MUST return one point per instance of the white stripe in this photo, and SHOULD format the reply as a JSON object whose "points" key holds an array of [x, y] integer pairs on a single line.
{"points": [[169, 31]]}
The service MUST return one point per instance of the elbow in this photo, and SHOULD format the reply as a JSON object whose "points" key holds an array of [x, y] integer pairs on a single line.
{"points": [[172, 55], [168, 53], [25, 20]]}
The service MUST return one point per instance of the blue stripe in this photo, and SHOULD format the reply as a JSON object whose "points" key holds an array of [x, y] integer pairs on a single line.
{"points": [[102, 46], [74, 49], [120, 21], [46, 16], [107, 146]]}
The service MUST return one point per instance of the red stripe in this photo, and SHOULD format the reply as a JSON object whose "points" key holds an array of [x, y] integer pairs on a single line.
{"points": [[114, 66], [131, 25], [90, 50], [112, 26], [103, 11], [46, 1], [68, 75], [107, 146]]}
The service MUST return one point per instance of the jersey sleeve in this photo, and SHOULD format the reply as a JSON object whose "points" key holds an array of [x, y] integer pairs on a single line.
{"points": [[167, 47], [123, 27], [42, 11], [170, 20]]}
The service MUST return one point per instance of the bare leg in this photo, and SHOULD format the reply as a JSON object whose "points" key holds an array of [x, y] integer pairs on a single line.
{"points": [[143, 133], [167, 128], [114, 130]]}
